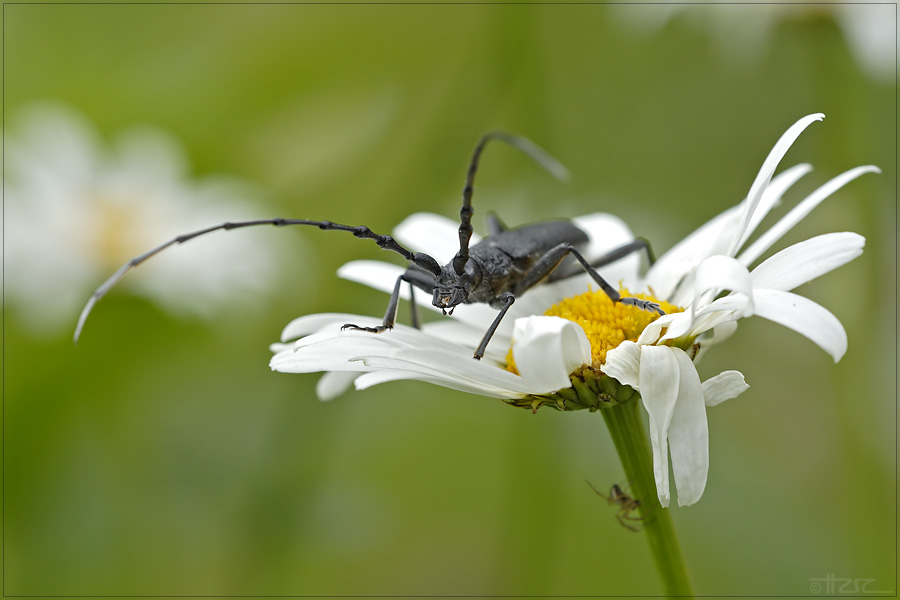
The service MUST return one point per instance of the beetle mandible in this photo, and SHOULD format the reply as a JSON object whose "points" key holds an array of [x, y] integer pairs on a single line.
{"points": [[494, 271]]}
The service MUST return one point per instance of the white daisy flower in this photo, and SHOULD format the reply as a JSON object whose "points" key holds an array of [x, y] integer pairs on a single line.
{"points": [[76, 207], [598, 351]]}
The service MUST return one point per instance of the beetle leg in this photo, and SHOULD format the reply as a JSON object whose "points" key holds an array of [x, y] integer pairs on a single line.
{"points": [[636, 245], [390, 315], [413, 310], [549, 261], [416, 278], [503, 303]]}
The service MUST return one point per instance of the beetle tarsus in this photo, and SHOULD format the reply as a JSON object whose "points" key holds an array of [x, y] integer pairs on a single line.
{"points": [[643, 305]]}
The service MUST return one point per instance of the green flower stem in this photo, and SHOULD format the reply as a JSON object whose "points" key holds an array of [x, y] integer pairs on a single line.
{"points": [[627, 430]]}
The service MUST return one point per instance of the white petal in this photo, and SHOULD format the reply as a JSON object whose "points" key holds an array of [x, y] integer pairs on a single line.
{"points": [[454, 330], [797, 214], [767, 170], [772, 196], [403, 349], [672, 267], [651, 333], [606, 232], [659, 391], [724, 386], [315, 323], [548, 349], [719, 273], [717, 334], [723, 310], [715, 274], [689, 434], [451, 370], [623, 363], [378, 275], [807, 260], [737, 303], [432, 234], [326, 352], [679, 325], [367, 380], [334, 383], [720, 312], [805, 317]]}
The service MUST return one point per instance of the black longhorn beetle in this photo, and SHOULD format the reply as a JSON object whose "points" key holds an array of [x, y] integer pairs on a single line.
{"points": [[495, 271]]}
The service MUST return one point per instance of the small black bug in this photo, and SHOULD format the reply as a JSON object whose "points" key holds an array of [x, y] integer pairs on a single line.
{"points": [[494, 271]]}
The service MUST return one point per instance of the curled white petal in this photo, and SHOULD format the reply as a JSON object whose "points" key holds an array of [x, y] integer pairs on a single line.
{"points": [[724, 386], [806, 260], [797, 214], [772, 196], [767, 170], [727, 309], [548, 349], [715, 274], [805, 317], [623, 363], [659, 377], [719, 273], [651, 333], [689, 433], [679, 324]]}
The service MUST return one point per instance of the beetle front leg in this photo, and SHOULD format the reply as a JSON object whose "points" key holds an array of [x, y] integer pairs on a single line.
{"points": [[390, 315], [503, 302]]}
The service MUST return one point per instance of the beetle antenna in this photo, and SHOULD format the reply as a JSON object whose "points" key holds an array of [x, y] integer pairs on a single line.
{"points": [[386, 242], [541, 157]]}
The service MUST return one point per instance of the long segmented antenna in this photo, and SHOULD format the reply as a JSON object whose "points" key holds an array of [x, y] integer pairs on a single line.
{"points": [[384, 241], [541, 157]]}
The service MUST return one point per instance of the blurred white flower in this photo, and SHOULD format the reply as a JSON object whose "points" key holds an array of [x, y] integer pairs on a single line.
{"points": [[552, 357], [78, 208], [742, 30]]}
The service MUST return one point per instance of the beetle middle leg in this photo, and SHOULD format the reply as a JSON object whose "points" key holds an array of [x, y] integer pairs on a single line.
{"points": [[545, 266], [503, 303]]}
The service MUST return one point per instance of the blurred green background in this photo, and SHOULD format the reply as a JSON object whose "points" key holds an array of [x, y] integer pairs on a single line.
{"points": [[163, 457]]}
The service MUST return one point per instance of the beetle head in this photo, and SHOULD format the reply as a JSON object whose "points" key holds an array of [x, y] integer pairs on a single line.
{"points": [[451, 288]]}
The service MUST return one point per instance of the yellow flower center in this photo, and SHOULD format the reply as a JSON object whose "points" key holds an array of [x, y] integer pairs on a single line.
{"points": [[607, 324]]}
